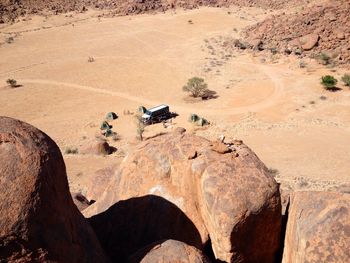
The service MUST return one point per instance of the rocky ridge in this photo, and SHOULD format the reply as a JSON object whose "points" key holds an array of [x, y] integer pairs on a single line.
{"points": [[12, 9], [321, 28]]}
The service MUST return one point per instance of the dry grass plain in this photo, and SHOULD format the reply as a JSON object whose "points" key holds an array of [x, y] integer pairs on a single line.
{"points": [[267, 101]]}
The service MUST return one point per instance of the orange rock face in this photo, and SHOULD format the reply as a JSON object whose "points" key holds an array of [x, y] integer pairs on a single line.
{"points": [[230, 198], [318, 228], [38, 220]]}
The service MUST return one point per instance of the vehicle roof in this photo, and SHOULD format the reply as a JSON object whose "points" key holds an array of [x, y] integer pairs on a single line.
{"points": [[162, 106]]}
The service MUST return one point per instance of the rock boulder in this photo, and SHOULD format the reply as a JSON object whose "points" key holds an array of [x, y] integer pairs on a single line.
{"points": [[38, 220], [230, 197], [318, 228], [169, 251]]}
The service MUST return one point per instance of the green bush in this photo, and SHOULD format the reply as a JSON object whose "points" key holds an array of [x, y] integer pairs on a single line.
{"points": [[329, 82], [324, 58], [346, 79], [197, 87]]}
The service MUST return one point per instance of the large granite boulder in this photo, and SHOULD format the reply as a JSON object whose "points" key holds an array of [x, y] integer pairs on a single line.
{"points": [[39, 221], [318, 228], [230, 197], [168, 251]]}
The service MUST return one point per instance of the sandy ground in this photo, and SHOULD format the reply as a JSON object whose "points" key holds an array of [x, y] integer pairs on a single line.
{"points": [[267, 101]]}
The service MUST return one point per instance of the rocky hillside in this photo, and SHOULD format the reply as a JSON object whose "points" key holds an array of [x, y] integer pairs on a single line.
{"points": [[318, 29], [11, 9], [177, 198]]}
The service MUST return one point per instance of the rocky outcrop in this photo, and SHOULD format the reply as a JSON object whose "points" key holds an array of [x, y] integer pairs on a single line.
{"points": [[97, 147], [169, 251], [323, 27], [229, 197], [10, 10], [39, 221], [318, 228]]}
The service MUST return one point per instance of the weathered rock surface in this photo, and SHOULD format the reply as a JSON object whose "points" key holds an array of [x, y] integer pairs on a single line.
{"points": [[309, 41], [39, 221], [230, 197], [98, 183], [169, 251], [318, 228]]}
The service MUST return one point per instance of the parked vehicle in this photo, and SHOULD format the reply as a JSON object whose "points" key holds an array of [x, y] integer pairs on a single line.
{"points": [[156, 114]]}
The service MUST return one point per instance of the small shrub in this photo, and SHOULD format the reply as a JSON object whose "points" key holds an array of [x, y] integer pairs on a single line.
{"points": [[239, 44], [325, 59], [70, 150], [329, 82], [346, 79], [10, 40], [197, 87], [302, 64], [323, 98], [190, 22], [116, 137], [12, 83], [91, 59]]}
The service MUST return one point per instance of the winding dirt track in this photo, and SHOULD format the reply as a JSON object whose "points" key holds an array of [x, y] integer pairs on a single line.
{"points": [[270, 101]]}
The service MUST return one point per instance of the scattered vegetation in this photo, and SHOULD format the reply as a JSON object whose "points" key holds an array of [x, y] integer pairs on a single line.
{"points": [[91, 59], [329, 82], [10, 40], [197, 87], [323, 98], [324, 59], [302, 64], [70, 150], [128, 112], [346, 79], [12, 83]]}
